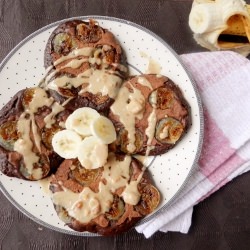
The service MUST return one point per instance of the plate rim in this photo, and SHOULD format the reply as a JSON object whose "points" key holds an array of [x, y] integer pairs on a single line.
{"points": [[195, 88]]}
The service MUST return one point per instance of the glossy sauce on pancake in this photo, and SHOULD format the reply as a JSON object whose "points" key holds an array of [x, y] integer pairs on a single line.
{"points": [[150, 115], [27, 124], [84, 61], [108, 200]]}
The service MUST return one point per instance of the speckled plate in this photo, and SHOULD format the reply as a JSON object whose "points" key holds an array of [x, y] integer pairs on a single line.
{"points": [[23, 67]]}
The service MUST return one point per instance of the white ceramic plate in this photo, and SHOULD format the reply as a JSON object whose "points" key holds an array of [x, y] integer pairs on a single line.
{"points": [[23, 67]]}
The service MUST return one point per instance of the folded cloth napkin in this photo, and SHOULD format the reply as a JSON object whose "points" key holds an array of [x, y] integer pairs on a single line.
{"points": [[223, 80]]}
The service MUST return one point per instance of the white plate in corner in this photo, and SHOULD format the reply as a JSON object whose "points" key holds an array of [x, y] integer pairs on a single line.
{"points": [[23, 67]]}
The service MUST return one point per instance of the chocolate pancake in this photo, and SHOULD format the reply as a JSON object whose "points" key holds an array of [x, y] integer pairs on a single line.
{"points": [[108, 200], [27, 124], [84, 60], [76, 34], [150, 115]]}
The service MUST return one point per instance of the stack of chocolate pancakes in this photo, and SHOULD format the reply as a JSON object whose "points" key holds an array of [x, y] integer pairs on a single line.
{"points": [[85, 67]]}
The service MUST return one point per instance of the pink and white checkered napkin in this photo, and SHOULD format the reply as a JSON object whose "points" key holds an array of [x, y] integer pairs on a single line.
{"points": [[223, 79]]}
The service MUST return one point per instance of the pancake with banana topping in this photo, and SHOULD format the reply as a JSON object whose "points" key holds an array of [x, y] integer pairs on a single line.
{"points": [[108, 200], [83, 125]]}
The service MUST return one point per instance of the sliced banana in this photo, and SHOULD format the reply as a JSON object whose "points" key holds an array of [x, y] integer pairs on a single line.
{"points": [[232, 7], [209, 40], [66, 143], [104, 130], [92, 153], [81, 119], [206, 17]]}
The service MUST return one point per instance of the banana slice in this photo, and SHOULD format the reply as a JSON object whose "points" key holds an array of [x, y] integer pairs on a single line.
{"points": [[92, 153], [66, 143], [205, 18], [209, 40], [80, 120], [104, 130], [232, 7]]}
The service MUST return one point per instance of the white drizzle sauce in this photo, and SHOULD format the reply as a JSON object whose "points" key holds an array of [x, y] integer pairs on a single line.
{"points": [[37, 173], [48, 77], [75, 63], [131, 194], [39, 100], [164, 134], [42, 82], [37, 138], [120, 67], [152, 119], [106, 82], [69, 82], [153, 66], [150, 130], [87, 205], [65, 198], [67, 101], [86, 51], [116, 172], [66, 82], [141, 158], [144, 82], [26, 124], [102, 82], [132, 107], [129, 106], [93, 60], [24, 145], [44, 184], [50, 118]]}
